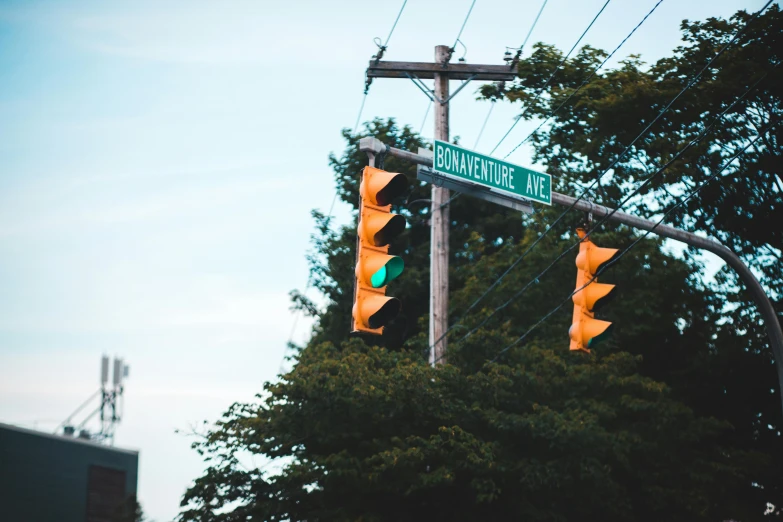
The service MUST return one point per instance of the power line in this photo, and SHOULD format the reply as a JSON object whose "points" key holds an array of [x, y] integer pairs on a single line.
{"points": [[572, 94], [361, 109], [665, 109], [586, 80], [551, 77], [629, 247], [491, 106], [383, 46], [298, 312], [533, 26], [463, 26], [610, 214], [513, 62], [530, 248], [391, 32], [424, 120], [660, 114], [535, 279], [381, 50], [451, 50]]}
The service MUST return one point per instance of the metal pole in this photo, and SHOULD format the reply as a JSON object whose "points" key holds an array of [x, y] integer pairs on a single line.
{"points": [[439, 224], [767, 311]]}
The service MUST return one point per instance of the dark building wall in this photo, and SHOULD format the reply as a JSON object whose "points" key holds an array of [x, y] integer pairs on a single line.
{"points": [[47, 478]]}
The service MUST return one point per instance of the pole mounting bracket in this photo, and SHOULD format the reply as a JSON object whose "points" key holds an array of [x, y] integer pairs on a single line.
{"points": [[431, 94]]}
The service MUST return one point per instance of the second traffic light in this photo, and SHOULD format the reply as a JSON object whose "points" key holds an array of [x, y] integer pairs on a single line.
{"points": [[585, 329], [375, 268]]}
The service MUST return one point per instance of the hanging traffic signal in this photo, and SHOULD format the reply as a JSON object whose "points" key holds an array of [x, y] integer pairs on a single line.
{"points": [[585, 330], [372, 310]]}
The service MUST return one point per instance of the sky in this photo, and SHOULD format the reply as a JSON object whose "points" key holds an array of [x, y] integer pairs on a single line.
{"points": [[158, 164]]}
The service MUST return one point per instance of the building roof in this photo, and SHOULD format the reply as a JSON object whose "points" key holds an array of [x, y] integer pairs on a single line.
{"points": [[74, 440]]}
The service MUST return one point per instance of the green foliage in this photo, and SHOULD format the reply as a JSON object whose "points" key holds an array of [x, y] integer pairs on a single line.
{"points": [[333, 261], [733, 376], [379, 435], [129, 511], [587, 135], [674, 418]]}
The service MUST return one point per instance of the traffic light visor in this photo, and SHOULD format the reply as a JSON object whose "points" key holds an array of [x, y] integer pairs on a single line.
{"points": [[594, 296], [379, 228], [588, 331], [374, 311], [380, 187], [600, 337], [593, 258]]}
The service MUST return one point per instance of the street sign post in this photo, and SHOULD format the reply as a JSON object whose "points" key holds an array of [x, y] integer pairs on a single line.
{"points": [[462, 164]]}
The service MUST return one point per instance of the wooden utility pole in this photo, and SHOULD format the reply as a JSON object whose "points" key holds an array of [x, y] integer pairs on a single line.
{"points": [[441, 71], [439, 225]]}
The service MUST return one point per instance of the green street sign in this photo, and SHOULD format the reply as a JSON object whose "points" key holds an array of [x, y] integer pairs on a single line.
{"points": [[466, 165]]}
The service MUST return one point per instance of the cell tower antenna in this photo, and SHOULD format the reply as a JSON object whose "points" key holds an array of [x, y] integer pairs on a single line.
{"points": [[111, 405]]}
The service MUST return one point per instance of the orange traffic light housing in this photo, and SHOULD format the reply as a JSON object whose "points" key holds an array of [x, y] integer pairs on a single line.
{"points": [[375, 268], [585, 329]]}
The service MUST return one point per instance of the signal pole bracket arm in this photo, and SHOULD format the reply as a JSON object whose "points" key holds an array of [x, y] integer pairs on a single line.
{"points": [[431, 95], [771, 321], [471, 189]]}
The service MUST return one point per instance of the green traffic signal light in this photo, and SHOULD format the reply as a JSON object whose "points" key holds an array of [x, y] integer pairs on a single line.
{"points": [[388, 272]]}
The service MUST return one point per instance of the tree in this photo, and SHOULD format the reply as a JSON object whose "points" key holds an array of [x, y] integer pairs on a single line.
{"points": [[736, 99], [646, 428], [129, 511]]}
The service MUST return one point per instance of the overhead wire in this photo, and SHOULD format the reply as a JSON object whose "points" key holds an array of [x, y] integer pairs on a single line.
{"points": [[394, 26], [451, 50], [587, 79], [453, 47], [665, 109], [512, 64], [533, 26], [381, 50], [646, 182], [530, 248], [640, 238], [536, 279], [572, 94], [551, 77], [484, 126], [570, 207], [308, 285], [361, 110], [424, 120]]}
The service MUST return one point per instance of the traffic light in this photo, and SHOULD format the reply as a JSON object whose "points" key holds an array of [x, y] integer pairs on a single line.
{"points": [[585, 330], [372, 310]]}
